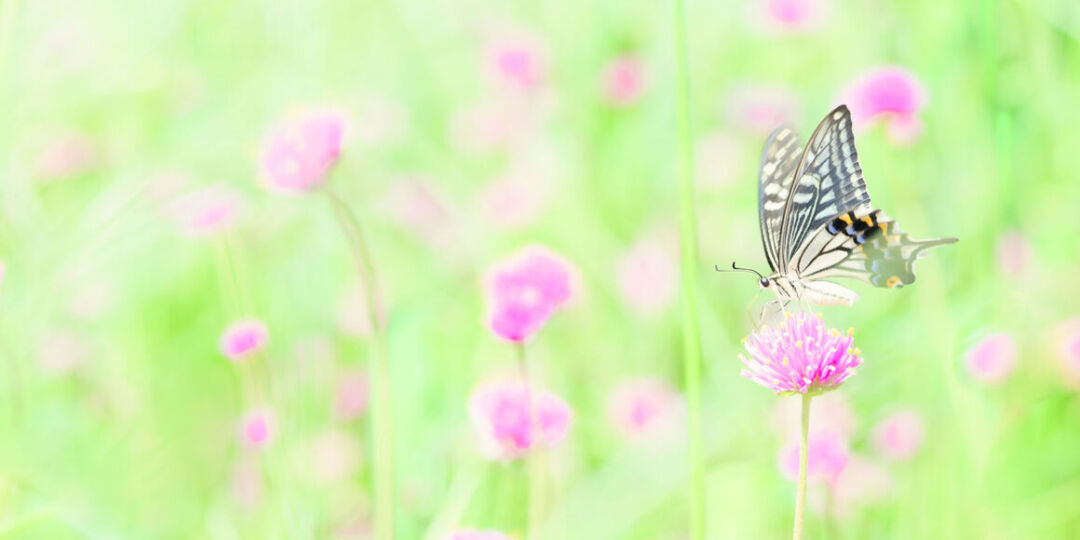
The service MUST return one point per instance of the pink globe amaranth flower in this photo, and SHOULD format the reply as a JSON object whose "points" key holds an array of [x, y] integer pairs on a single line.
{"points": [[258, 428], [623, 80], [992, 359], [1066, 339], [353, 393], [472, 534], [648, 275], [900, 436], [646, 408], [205, 211], [760, 109], [802, 356], [299, 154], [67, 155], [1013, 253], [789, 16], [890, 93], [516, 60], [525, 289], [505, 426], [243, 338], [827, 456]]}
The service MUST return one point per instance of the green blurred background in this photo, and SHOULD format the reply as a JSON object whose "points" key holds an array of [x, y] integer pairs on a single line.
{"points": [[119, 414]]}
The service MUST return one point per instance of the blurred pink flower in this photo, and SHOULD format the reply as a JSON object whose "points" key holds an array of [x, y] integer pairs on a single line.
{"points": [[525, 289], [352, 396], [789, 16], [1013, 253], [243, 338], [299, 153], [720, 159], [800, 357], [205, 211], [992, 359], [827, 456], [648, 275], [623, 80], [66, 155], [861, 483], [516, 60], [645, 408], [335, 455], [258, 428], [830, 412], [891, 93], [61, 351], [1066, 338], [760, 109], [900, 436], [470, 534], [504, 425]]}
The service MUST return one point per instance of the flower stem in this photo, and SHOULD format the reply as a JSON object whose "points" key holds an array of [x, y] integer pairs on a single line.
{"points": [[804, 454], [535, 457], [382, 417], [688, 233]]}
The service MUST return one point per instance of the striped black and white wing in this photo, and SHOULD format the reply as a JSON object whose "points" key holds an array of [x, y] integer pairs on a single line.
{"points": [[779, 159], [829, 183]]}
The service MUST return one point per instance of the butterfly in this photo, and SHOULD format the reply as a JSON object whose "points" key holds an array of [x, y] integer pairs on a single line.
{"points": [[817, 223]]}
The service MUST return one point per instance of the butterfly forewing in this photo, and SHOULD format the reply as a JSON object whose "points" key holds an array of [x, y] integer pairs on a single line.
{"points": [[778, 162], [830, 183]]}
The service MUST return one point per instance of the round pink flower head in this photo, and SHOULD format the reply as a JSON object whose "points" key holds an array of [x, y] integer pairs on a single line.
{"points": [[471, 534], [1066, 337], [891, 93], [525, 289], [900, 436], [645, 407], [624, 80], [243, 339], [827, 456], [790, 16], [299, 154], [802, 356], [517, 60], [258, 429], [992, 359], [505, 426]]}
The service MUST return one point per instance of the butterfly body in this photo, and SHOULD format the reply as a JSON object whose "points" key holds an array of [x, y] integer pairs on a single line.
{"points": [[817, 223]]}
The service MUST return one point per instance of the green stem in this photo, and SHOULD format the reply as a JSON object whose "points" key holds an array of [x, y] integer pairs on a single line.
{"points": [[804, 454], [688, 231], [535, 457], [381, 406]]}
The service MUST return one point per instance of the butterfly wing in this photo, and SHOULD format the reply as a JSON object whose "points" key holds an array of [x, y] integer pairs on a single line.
{"points": [[871, 248], [829, 183], [779, 159]]}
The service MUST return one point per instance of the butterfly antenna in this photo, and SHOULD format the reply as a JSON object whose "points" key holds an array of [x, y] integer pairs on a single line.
{"points": [[736, 268]]}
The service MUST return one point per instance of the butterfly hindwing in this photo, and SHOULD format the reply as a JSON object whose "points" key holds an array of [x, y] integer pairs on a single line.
{"points": [[829, 183], [779, 159]]}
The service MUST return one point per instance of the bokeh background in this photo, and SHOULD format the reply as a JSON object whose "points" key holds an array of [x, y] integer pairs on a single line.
{"points": [[120, 418]]}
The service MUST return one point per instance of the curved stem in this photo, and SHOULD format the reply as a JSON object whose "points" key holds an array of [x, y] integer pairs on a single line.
{"points": [[804, 454], [381, 405], [691, 335]]}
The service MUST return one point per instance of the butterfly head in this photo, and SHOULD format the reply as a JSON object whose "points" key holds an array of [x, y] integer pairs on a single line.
{"points": [[762, 280]]}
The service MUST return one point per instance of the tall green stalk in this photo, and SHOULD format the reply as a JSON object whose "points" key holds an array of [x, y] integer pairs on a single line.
{"points": [[536, 465], [691, 333], [381, 406], [804, 455]]}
